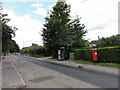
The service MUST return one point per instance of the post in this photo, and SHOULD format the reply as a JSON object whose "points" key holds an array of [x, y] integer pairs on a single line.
{"points": [[95, 55]]}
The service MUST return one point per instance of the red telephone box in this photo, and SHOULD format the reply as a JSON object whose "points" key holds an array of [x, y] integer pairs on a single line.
{"points": [[95, 55]]}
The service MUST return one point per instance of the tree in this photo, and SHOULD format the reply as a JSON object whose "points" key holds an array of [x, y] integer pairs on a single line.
{"points": [[8, 32], [55, 29], [60, 31], [0, 30], [109, 41], [77, 33], [13, 47]]}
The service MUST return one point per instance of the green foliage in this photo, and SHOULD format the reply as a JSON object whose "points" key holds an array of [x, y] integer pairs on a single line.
{"points": [[77, 33], [8, 32], [56, 25], [111, 55], [90, 48], [42, 51], [13, 47], [105, 54], [60, 31], [109, 41], [55, 30], [83, 54]]}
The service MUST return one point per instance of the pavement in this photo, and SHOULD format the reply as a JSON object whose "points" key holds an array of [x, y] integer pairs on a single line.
{"points": [[10, 76], [71, 63]]}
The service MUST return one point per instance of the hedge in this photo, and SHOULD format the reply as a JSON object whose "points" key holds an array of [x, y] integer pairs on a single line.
{"points": [[106, 54], [42, 51], [83, 54]]}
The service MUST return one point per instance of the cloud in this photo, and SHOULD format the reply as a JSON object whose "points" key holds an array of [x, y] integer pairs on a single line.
{"points": [[30, 0], [106, 32], [37, 5], [99, 16], [83, 1], [40, 11], [97, 27], [28, 29], [50, 7]]}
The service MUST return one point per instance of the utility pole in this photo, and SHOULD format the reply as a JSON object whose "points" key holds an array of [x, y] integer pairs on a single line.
{"points": [[23, 44], [98, 37]]}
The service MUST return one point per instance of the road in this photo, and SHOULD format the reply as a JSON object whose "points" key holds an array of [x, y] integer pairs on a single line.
{"points": [[99, 79]]}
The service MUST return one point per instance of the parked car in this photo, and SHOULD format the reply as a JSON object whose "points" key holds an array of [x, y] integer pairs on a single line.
{"points": [[16, 54]]}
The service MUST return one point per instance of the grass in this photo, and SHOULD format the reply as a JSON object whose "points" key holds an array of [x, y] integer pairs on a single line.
{"points": [[114, 65]]}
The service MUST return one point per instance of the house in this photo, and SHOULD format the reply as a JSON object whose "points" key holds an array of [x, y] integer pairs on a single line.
{"points": [[34, 45], [93, 43]]}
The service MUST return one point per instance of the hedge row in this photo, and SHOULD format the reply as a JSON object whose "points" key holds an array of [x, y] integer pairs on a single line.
{"points": [[42, 51], [106, 54]]}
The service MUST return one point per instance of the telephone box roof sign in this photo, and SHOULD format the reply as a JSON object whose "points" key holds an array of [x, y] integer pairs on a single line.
{"points": [[62, 47]]}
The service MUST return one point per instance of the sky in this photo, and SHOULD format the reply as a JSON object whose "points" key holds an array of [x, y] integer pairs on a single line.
{"points": [[99, 16]]}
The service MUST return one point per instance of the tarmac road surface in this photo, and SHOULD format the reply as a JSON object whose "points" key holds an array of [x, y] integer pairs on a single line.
{"points": [[99, 79]]}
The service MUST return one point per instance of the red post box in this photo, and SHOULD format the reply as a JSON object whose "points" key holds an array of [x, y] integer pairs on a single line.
{"points": [[95, 55]]}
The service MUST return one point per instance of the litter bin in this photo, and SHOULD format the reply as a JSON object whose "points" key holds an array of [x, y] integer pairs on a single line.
{"points": [[95, 55], [71, 55]]}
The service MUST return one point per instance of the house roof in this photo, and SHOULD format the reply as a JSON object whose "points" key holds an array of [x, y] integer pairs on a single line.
{"points": [[94, 42]]}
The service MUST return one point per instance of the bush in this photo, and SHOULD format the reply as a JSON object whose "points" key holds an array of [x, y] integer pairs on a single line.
{"points": [[106, 54], [111, 55], [83, 54], [42, 51]]}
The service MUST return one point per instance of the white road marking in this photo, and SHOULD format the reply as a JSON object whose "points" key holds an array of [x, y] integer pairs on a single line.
{"points": [[24, 85]]}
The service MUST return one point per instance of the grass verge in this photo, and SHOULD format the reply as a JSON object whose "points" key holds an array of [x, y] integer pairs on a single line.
{"points": [[42, 56], [114, 65]]}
